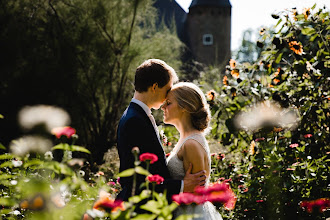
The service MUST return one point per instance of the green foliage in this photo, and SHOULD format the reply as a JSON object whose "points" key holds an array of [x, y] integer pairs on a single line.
{"points": [[274, 169]]}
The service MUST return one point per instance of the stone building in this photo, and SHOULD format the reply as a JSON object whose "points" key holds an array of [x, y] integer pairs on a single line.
{"points": [[205, 29]]}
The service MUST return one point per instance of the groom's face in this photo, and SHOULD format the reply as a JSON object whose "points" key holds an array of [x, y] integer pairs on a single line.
{"points": [[161, 94]]}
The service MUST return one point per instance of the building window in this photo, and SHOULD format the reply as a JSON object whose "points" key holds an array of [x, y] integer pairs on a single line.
{"points": [[207, 39]]}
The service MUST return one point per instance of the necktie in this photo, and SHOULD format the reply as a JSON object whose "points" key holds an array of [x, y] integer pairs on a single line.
{"points": [[152, 119]]}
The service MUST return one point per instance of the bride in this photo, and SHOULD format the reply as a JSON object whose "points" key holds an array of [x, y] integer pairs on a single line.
{"points": [[186, 108]]}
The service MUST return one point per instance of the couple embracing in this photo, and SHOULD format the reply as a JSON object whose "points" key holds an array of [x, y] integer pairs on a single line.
{"points": [[184, 106]]}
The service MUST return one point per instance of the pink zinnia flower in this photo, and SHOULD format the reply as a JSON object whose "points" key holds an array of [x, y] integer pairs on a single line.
{"points": [[259, 139], [155, 179], [148, 157], [66, 131], [308, 135], [188, 198], [259, 201], [294, 145]]}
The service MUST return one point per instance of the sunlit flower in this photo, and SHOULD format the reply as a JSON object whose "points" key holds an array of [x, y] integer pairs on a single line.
{"points": [[262, 31], [308, 135], [221, 156], [168, 154], [276, 81], [66, 131], [210, 95], [135, 150], [48, 155], [76, 161], [290, 169], [49, 116], [306, 12], [17, 163], [225, 80], [232, 63], [294, 145], [296, 47], [252, 146], [266, 114], [148, 157], [294, 13], [235, 73], [155, 179], [27, 144], [259, 139], [36, 203], [100, 173], [259, 201]]}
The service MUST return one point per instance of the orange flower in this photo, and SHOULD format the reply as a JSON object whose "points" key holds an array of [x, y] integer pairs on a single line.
{"points": [[108, 204], [296, 47], [306, 12], [235, 73], [232, 63], [252, 146], [275, 81], [294, 13], [262, 31], [225, 80], [210, 95]]}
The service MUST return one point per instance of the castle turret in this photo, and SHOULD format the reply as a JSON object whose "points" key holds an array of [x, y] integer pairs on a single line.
{"points": [[208, 28]]}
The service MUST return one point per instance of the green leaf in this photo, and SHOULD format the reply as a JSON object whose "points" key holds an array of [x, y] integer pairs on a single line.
{"points": [[308, 31], [58, 168], [2, 147], [126, 173], [279, 57], [64, 146], [7, 164], [142, 171], [1, 116], [6, 176], [6, 202], [152, 206], [33, 163], [6, 156], [167, 210], [328, 28], [145, 217]]}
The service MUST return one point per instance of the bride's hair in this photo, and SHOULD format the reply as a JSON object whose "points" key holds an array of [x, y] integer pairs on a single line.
{"points": [[192, 99]]}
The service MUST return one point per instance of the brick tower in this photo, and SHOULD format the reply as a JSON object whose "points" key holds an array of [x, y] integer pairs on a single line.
{"points": [[208, 30]]}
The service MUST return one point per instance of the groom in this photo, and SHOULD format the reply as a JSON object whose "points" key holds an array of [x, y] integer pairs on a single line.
{"points": [[137, 128]]}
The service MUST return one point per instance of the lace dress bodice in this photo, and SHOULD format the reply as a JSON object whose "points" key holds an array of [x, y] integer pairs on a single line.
{"points": [[207, 211], [175, 165]]}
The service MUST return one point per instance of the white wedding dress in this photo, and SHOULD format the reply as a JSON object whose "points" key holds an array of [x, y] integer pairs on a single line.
{"points": [[206, 211]]}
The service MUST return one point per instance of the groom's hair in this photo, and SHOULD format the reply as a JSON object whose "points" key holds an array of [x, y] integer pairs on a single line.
{"points": [[153, 71]]}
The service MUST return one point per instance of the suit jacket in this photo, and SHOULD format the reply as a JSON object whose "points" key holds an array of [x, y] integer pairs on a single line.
{"points": [[136, 130]]}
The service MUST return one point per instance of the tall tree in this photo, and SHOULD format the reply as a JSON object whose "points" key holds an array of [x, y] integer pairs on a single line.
{"points": [[80, 55]]}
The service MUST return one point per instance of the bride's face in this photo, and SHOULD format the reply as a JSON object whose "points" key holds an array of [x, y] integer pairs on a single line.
{"points": [[171, 109]]}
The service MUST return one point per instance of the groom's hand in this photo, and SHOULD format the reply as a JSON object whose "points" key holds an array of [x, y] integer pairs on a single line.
{"points": [[190, 181]]}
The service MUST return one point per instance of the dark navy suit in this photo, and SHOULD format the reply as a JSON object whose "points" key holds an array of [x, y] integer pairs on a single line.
{"points": [[136, 129]]}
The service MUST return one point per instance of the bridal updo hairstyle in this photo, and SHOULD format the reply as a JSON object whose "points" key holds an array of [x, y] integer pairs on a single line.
{"points": [[192, 99], [153, 71]]}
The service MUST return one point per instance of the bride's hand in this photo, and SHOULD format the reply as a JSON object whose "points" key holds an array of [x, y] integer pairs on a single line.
{"points": [[190, 181]]}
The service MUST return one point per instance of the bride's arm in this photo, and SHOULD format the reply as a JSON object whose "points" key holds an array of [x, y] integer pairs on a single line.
{"points": [[192, 152]]}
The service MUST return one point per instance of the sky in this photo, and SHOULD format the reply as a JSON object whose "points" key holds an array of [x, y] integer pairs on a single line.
{"points": [[255, 14]]}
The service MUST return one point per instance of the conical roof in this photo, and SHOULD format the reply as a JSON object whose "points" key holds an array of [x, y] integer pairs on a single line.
{"points": [[217, 3]]}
